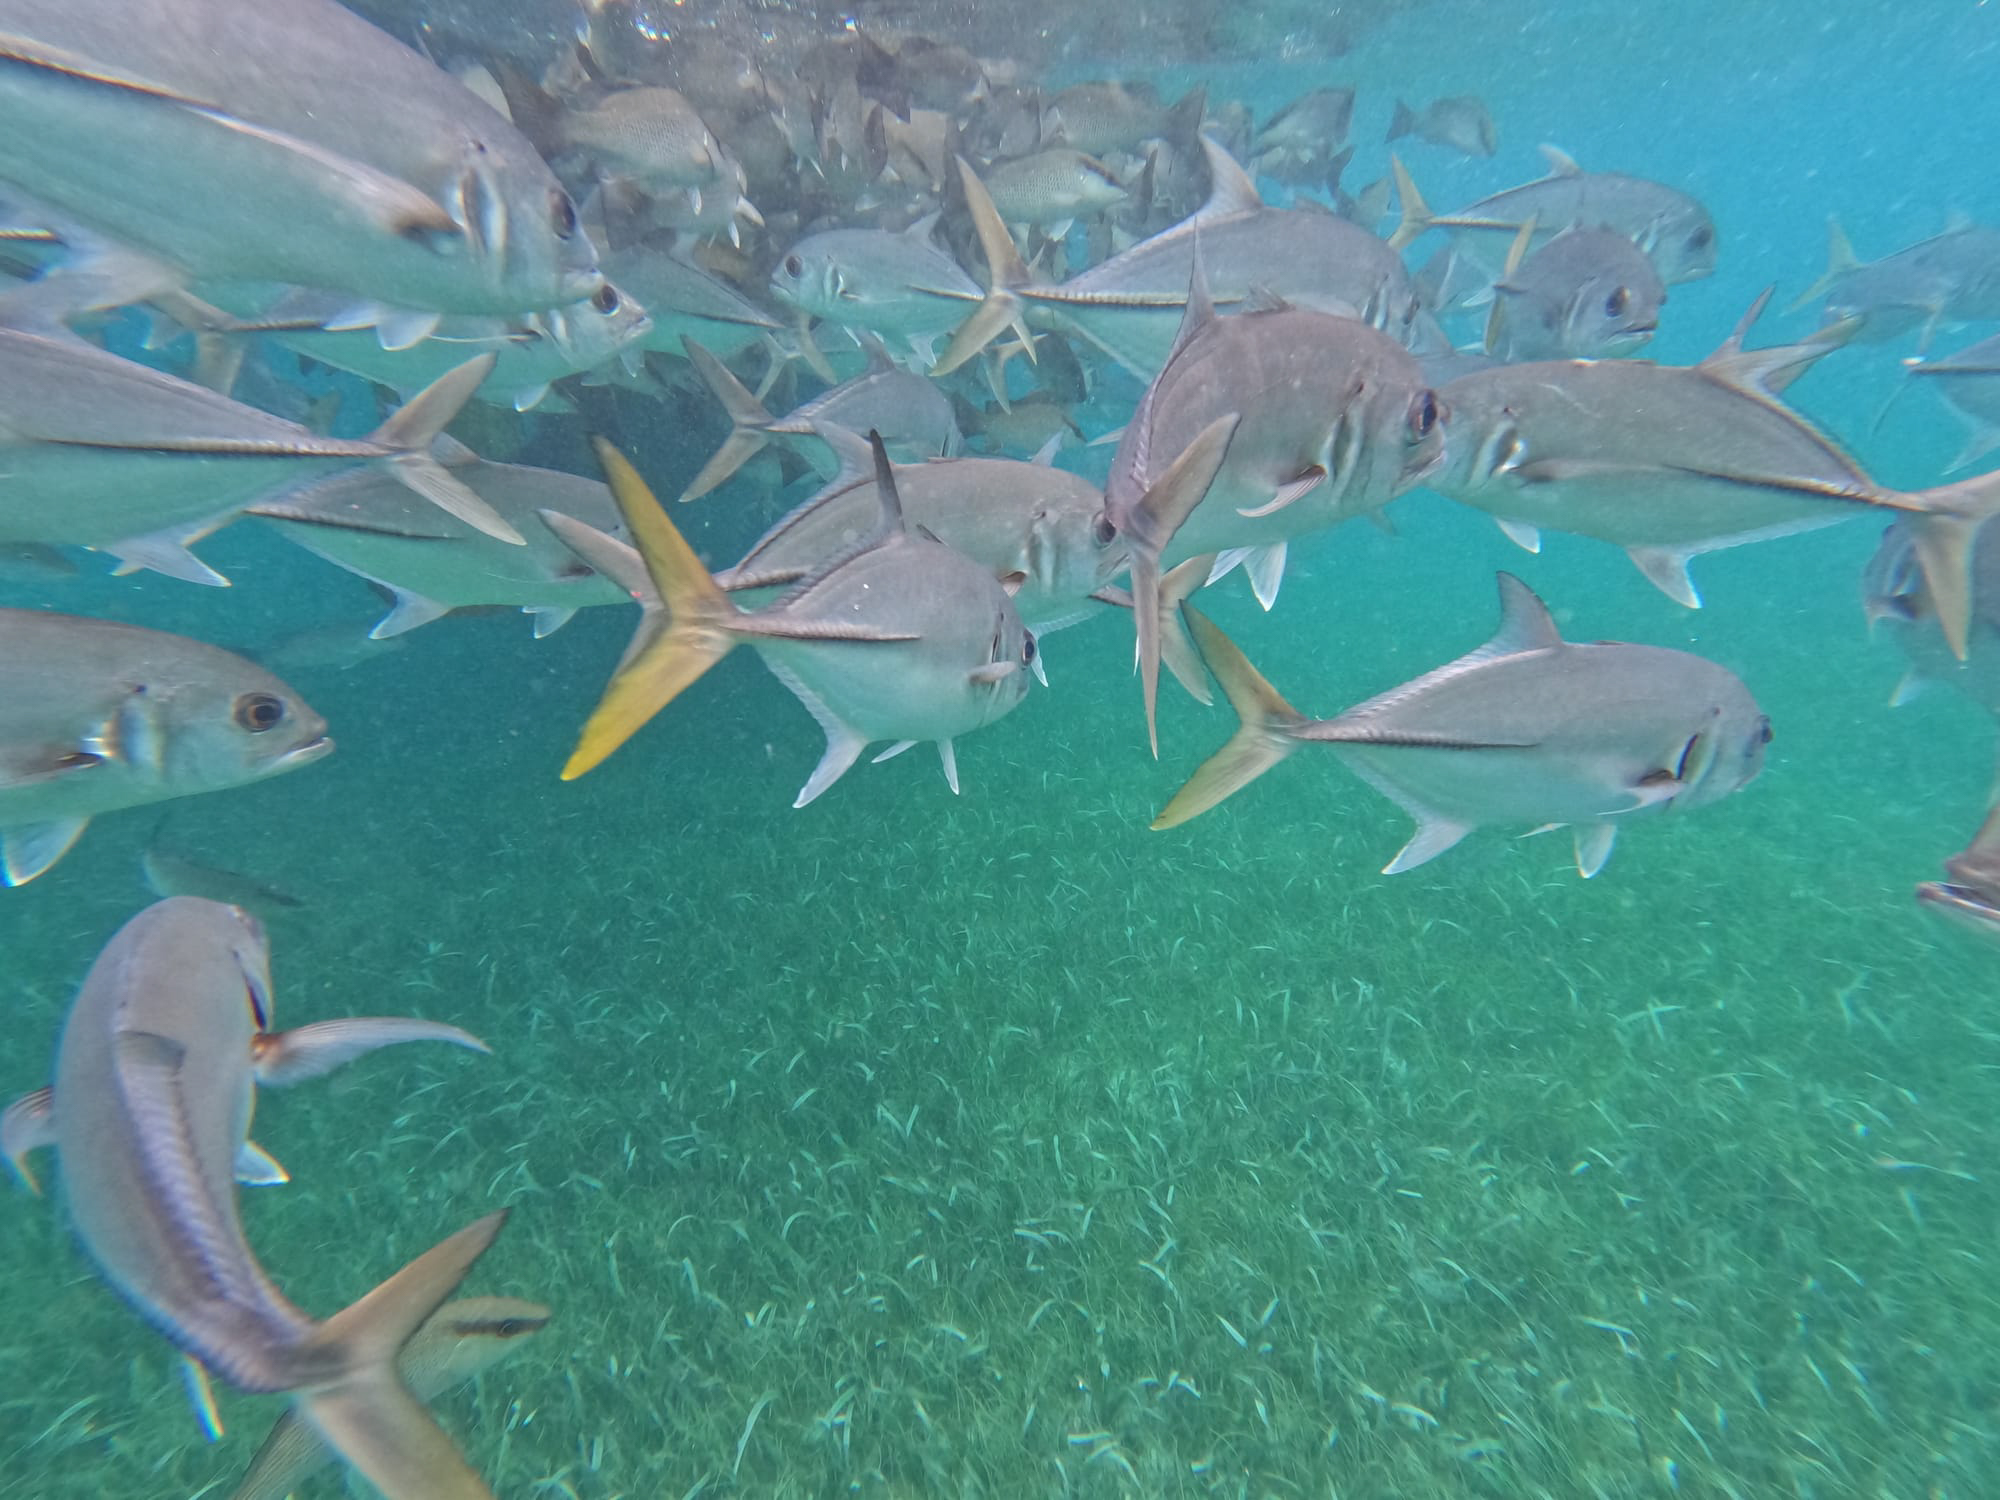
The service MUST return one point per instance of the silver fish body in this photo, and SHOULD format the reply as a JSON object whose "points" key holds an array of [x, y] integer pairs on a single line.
{"points": [[1968, 381], [1897, 602], [1528, 729], [899, 286], [1672, 228], [371, 526], [1052, 187], [1030, 525], [283, 141], [1587, 294], [1953, 277], [1301, 142], [96, 717], [1461, 123], [684, 301], [150, 1110], [899, 638], [99, 449]]}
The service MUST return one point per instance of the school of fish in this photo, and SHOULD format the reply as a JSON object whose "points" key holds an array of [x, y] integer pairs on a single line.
{"points": [[905, 275]]}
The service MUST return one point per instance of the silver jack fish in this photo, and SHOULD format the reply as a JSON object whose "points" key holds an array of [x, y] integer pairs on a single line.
{"points": [[102, 451], [1461, 123], [914, 417], [1587, 293], [1675, 232], [279, 141], [364, 522], [1259, 428], [457, 1342], [154, 1088], [96, 716], [1952, 277], [1032, 525], [1130, 305], [901, 287], [1529, 729], [1671, 461], [899, 638]]}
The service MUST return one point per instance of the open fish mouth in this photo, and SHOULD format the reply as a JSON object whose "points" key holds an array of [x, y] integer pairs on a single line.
{"points": [[310, 751]]}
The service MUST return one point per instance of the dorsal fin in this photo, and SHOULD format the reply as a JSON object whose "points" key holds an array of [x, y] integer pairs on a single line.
{"points": [[851, 455], [921, 230], [885, 486], [1525, 623], [1230, 189], [1561, 163], [1841, 261], [1200, 305], [1766, 372]]}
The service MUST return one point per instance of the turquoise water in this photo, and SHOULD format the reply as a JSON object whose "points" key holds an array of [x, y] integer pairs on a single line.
{"points": [[996, 1146]]}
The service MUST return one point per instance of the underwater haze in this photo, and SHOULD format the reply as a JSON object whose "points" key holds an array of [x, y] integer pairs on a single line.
{"points": [[994, 1145]]}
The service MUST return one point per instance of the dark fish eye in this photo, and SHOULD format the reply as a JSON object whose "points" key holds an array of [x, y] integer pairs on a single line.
{"points": [[606, 300], [794, 266], [1763, 731], [258, 712], [1104, 531], [1700, 238], [1028, 650], [1423, 414], [1617, 302], [562, 216]]}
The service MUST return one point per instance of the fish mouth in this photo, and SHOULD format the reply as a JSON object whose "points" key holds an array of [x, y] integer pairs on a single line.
{"points": [[300, 755]]}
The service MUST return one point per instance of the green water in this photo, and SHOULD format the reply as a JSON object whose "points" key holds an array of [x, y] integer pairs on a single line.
{"points": [[920, 1145]]}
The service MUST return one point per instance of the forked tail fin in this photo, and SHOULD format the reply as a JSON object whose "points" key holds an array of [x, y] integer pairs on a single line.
{"points": [[748, 422], [417, 424], [366, 1413], [1260, 741]]}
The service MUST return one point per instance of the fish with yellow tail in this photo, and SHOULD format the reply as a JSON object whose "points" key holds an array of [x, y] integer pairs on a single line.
{"points": [[1528, 729], [896, 638]]}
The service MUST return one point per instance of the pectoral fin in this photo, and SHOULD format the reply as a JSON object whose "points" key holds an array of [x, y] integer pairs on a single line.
{"points": [[256, 1167], [29, 1124], [1434, 835], [281, 1058], [29, 849], [1668, 572], [1593, 846]]}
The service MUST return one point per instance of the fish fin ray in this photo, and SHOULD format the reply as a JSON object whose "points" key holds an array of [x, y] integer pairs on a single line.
{"points": [[29, 849], [29, 1124], [283, 1058]]}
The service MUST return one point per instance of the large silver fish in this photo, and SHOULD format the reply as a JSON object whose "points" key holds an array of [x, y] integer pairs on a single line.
{"points": [[97, 716], [900, 287], [1971, 896], [1528, 729], [1952, 277], [103, 451], [899, 638], [1670, 461], [1130, 306], [1260, 428], [1673, 229], [280, 141], [366, 523], [1032, 525], [457, 1342], [914, 417], [531, 351], [154, 1088], [1586, 294]]}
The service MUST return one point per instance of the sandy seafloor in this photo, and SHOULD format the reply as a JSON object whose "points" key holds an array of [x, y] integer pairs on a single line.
{"points": [[995, 1146]]}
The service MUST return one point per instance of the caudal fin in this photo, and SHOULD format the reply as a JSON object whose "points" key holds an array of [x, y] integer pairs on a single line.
{"points": [[1416, 214], [695, 635], [1005, 276], [1149, 529], [366, 1413], [1945, 522], [748, 421], [1260, 741], [416, 425]]}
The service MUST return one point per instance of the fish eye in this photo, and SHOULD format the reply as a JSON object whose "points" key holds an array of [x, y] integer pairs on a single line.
{"points": [[1423, 414], [1104, 531], [1700, 238], [1617, 302], [259, 712], [606, 299], [562, 216], [1764, 731], [794, 266], [1028, 650]]}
